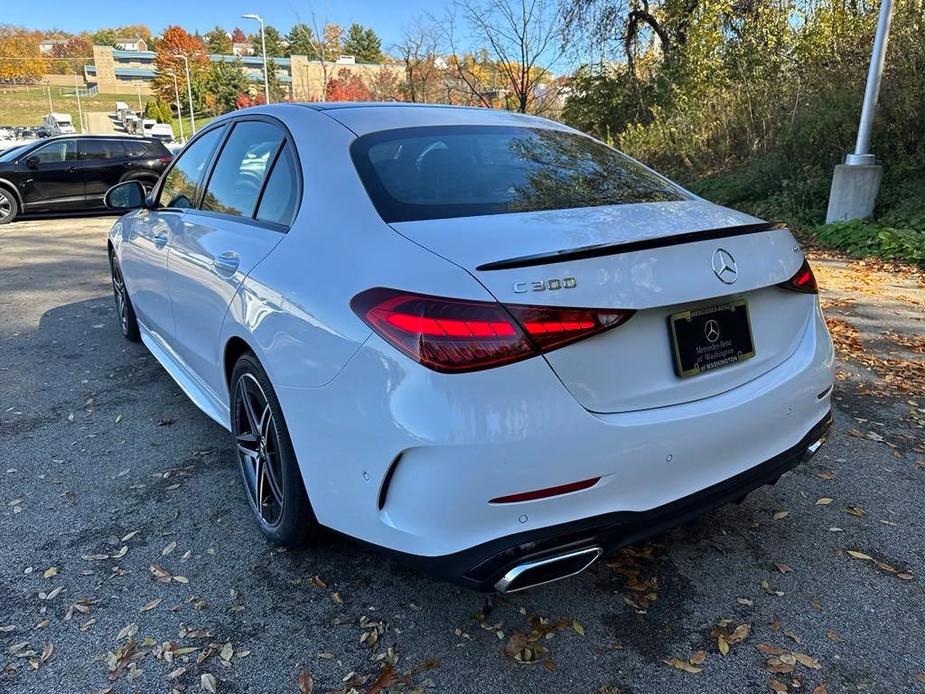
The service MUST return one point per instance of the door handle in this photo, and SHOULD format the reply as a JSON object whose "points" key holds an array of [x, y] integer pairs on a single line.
{"points": [[227, 263], [160, 239]]}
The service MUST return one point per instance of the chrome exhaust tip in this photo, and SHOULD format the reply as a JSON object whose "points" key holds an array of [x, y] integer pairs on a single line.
{"points": [[812, 449], [541, 571]]}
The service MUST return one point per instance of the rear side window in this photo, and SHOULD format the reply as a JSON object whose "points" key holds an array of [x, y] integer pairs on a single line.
{"points": [[93, 150], [238, 176], [137, 150], [179, 189], [281, 195], [461, 171]]}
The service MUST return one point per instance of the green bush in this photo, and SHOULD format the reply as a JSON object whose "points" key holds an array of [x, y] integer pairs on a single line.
{"points": [[861, 238], [752, 104]]}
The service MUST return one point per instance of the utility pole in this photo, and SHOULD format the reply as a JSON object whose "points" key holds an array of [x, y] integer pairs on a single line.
{"points": [[189, 91], [176, 91], [80, 113], [855, 183], [51, 108]]}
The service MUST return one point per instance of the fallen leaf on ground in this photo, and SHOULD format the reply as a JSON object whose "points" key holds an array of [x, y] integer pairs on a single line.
{"points": [[148, 606], [859, 555], [682, 665], [807, 661], [305, 682], [823, 501], [207, 683], [387, 678]]}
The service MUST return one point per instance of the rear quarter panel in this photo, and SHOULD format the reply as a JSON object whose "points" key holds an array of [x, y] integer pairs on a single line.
{"points": [[293, 309]]}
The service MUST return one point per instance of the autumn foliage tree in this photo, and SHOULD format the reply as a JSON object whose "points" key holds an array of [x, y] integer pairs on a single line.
{"points": [[173, 42], [70, 57], [20, 60], [347, 86]]}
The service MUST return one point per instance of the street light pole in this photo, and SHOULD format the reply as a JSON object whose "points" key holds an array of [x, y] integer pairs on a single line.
{"points": [[80, 113], [263, 45], [176, 91], [189, 92], [855, 183], [862, 153]]}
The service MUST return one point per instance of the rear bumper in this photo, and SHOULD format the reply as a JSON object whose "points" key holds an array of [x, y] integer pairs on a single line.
{"points": [[409, 460], [485, 566]]}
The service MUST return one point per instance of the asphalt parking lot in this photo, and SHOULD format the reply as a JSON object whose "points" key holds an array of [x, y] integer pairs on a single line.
{"points": [[130, 562]]}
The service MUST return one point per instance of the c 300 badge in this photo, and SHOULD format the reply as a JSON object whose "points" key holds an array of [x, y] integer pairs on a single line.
{"points": [[550, 285]]}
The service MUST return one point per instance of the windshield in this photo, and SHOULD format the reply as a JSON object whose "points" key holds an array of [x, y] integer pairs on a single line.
{"points": [[10, 154], [461, 171]]}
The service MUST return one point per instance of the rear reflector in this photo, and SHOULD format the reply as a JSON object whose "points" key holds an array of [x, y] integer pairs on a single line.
{"points": [[803, 281], [456, 335], [545, 493]]}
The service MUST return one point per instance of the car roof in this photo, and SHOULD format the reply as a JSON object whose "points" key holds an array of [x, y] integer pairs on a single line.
{"points": [[88, 136], [367, 117]]}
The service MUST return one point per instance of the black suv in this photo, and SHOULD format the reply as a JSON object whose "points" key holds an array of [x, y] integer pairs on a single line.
{"points": [[73, 172]]}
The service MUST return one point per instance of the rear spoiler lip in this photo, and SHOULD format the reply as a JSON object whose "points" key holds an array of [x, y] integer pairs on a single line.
{"points": [[603, 249]]}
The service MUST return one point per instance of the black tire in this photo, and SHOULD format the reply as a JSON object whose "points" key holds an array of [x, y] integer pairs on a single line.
{"points": [[128, 322], [267, 465], [9, 208]]}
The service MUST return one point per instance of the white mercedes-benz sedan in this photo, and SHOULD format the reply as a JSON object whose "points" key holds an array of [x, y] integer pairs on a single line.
{"points": [[483, 341]]}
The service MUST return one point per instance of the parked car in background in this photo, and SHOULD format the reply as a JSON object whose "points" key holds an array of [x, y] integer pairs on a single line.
{"points": [[131, 123], [59, 124], [483, 340], [144, 127], [74, 172], [162, 132]]}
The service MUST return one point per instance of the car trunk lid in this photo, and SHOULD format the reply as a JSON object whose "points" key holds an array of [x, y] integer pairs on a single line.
{"points": [[654, 258]]}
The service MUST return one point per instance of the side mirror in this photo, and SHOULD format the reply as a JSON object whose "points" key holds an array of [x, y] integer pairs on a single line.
{"points": [[128, 195], [33, 162]]}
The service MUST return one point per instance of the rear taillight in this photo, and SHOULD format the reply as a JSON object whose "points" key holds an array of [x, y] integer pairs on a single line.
{"points": [[803, 281], [455, 335], [166, 159]]}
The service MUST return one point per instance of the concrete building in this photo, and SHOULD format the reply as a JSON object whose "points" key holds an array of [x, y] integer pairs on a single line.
{"points": [[118, 71]]}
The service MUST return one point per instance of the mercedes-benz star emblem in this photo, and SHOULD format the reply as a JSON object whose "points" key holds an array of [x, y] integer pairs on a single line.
{"points": [[711, 330], [724, 266]]}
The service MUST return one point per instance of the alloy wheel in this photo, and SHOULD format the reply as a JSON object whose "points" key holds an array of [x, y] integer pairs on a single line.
{"points": [[258, 448], [6, 205], [118, 288]]}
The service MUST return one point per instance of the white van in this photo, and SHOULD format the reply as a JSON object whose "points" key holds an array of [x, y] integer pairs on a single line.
{"points": [[146, 125], [59, 124], [120, 107], [162, 132]]}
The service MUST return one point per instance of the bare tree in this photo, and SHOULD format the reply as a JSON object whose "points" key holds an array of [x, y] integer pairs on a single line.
{"points": [[522, 39], [419, 51], [326, 38]]}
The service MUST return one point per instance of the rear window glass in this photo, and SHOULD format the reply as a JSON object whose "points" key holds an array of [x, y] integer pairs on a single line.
{"points": [[462, 171]]}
